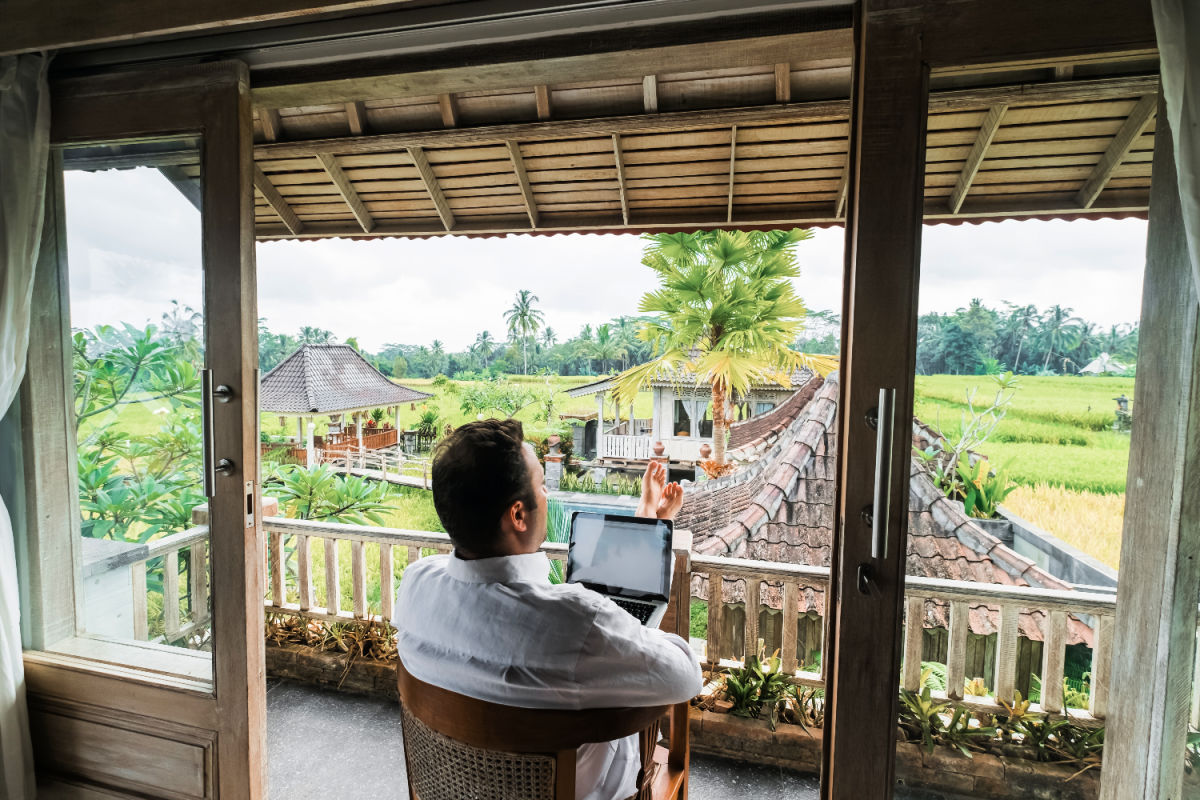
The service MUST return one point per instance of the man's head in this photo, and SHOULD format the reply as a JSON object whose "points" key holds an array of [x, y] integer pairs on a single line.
{"points": [[489, 490]]}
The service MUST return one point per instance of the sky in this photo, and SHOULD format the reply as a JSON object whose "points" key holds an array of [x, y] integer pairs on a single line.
{"points": [[415, 291]]}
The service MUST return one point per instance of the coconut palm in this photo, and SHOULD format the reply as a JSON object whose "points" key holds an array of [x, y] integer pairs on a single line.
{"points": [[549, 337], [726, 312], [524, 320], [1059, 330], [483, 347], [311, 335], [606, 348]]}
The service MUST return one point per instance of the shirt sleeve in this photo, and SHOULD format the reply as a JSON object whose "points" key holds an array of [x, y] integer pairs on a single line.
{"points": [[623, 663]]}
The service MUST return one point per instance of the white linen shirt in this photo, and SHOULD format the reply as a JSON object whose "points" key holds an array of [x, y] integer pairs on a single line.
{"points": [[497, 630]]}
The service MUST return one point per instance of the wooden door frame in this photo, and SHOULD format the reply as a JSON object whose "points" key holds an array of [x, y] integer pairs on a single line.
{"points": [[898, 45], [224, 718]]}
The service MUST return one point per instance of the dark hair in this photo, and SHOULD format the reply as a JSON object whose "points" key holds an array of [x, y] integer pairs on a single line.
{"points": [[479, 471]]}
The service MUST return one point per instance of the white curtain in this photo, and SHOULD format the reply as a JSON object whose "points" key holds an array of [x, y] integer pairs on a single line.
{"points": [[1177, 26], [24, 148]]}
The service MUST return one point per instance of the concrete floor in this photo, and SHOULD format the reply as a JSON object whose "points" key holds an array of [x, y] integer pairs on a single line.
{"points": [[323, 745]]}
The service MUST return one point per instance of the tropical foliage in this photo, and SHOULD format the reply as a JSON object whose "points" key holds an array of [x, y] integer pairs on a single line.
{"points": [[977, 339], [524, 321], [726, 312]]}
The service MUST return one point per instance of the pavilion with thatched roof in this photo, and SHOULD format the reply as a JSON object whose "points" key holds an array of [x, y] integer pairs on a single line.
{"points": [[335, 380]]}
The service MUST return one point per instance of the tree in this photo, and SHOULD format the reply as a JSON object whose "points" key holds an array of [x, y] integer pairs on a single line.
{"points": [[524, 320], [399, 367], [726, 312], [549, 337], [310, 335], [1059, 330], [606, 348]]}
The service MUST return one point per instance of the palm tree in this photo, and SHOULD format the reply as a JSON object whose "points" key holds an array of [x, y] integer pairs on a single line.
{"points": [[483, 347], [606, 348], [549, 337], [1020, 320], [310, 335], [1060, 329], [524, 320], [726, 313]]}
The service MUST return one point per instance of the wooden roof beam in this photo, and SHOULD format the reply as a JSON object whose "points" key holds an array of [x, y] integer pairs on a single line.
{"points": [[276, 202], [188, 186], [650, 94], [803, 112], [518, 162], [616, 137], [983, 140], [541, 95], [356, 118], [448, 107], [783, 82], [732, 173], [421, 162], [346, 190], [1131, 202], [269, 117], [1135, 125], [839, 206]]}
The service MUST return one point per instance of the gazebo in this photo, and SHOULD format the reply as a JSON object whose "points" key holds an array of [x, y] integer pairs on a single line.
{"points": [[334, 380]]}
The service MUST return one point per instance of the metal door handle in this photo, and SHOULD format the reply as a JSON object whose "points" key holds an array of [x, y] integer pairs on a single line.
{"points": [[881, 508], [212, 465]]}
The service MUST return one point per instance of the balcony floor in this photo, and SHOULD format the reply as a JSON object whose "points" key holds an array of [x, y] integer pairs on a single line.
{"points": [[323, 745]]}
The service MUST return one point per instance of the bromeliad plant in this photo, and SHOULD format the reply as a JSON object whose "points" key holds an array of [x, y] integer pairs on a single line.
{"points": [[759, 685]]}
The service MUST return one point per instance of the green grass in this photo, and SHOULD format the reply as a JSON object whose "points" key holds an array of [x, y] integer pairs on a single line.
{"points": [[1058, 430]]}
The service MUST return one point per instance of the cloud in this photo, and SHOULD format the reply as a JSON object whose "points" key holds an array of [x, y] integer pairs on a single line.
{"points": [[134, 245]]}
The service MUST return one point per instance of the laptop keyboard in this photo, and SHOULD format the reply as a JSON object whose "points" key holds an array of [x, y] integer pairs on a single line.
{"points": [[641, 611]]}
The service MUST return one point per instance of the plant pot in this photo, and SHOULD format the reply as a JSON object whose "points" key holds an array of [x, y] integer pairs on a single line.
{"points": [[659, 449], [553, 439], [705, 451]]}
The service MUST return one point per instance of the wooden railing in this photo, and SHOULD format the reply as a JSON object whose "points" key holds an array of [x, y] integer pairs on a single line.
{"points": [[170, 549], [371, 440], [292, 588], [298, 539], [619, 446], [960, 596], [395, 467]]}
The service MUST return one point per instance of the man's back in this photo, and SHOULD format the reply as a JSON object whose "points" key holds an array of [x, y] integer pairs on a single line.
{"points": [[497, 630]]}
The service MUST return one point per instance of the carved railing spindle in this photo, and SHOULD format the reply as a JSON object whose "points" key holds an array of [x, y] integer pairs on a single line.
{"points": [[141, 625], [1006, 652], [1101, 666], [790, 618], [304, 571], [358, 575], [387, 593], [198, 578], [914, 627], [275, 567], [716, 619], [333, 586], [956, 650], [171, 594], [753, 593]]}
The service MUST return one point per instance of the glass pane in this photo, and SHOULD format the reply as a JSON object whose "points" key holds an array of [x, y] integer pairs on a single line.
{"points": [[1020, 446], [136, 283]]}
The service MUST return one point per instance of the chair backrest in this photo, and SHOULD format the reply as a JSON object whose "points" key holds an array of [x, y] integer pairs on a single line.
{"points": [[456, 746]]}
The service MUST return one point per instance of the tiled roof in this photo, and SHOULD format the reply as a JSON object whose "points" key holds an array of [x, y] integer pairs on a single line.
{"points": [[778, 506], [682, 378], [328, 378]]}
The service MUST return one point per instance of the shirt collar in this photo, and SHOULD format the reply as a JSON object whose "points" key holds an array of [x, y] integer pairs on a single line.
{"points": [[524, 568]]}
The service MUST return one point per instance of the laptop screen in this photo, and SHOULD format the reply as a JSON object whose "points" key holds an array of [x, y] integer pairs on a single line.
{"points": [[624, 556]]}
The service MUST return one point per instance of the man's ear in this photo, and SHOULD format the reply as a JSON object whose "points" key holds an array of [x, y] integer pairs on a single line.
{"points": [[518, 515]]}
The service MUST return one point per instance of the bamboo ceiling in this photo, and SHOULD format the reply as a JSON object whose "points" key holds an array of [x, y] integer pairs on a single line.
{"points": [[750, 146]]}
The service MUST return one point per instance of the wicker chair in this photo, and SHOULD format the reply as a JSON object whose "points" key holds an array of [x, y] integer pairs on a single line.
{"points": [[460, 748]]}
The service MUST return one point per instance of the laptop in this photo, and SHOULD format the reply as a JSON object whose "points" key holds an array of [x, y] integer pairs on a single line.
{"points": [[626, 559]]}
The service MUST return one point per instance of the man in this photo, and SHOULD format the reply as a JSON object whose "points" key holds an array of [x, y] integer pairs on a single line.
{"points": [[485, 621]]}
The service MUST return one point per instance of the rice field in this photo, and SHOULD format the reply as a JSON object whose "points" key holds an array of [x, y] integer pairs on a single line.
{"points": [[1092, 522], [1056, 441]]}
